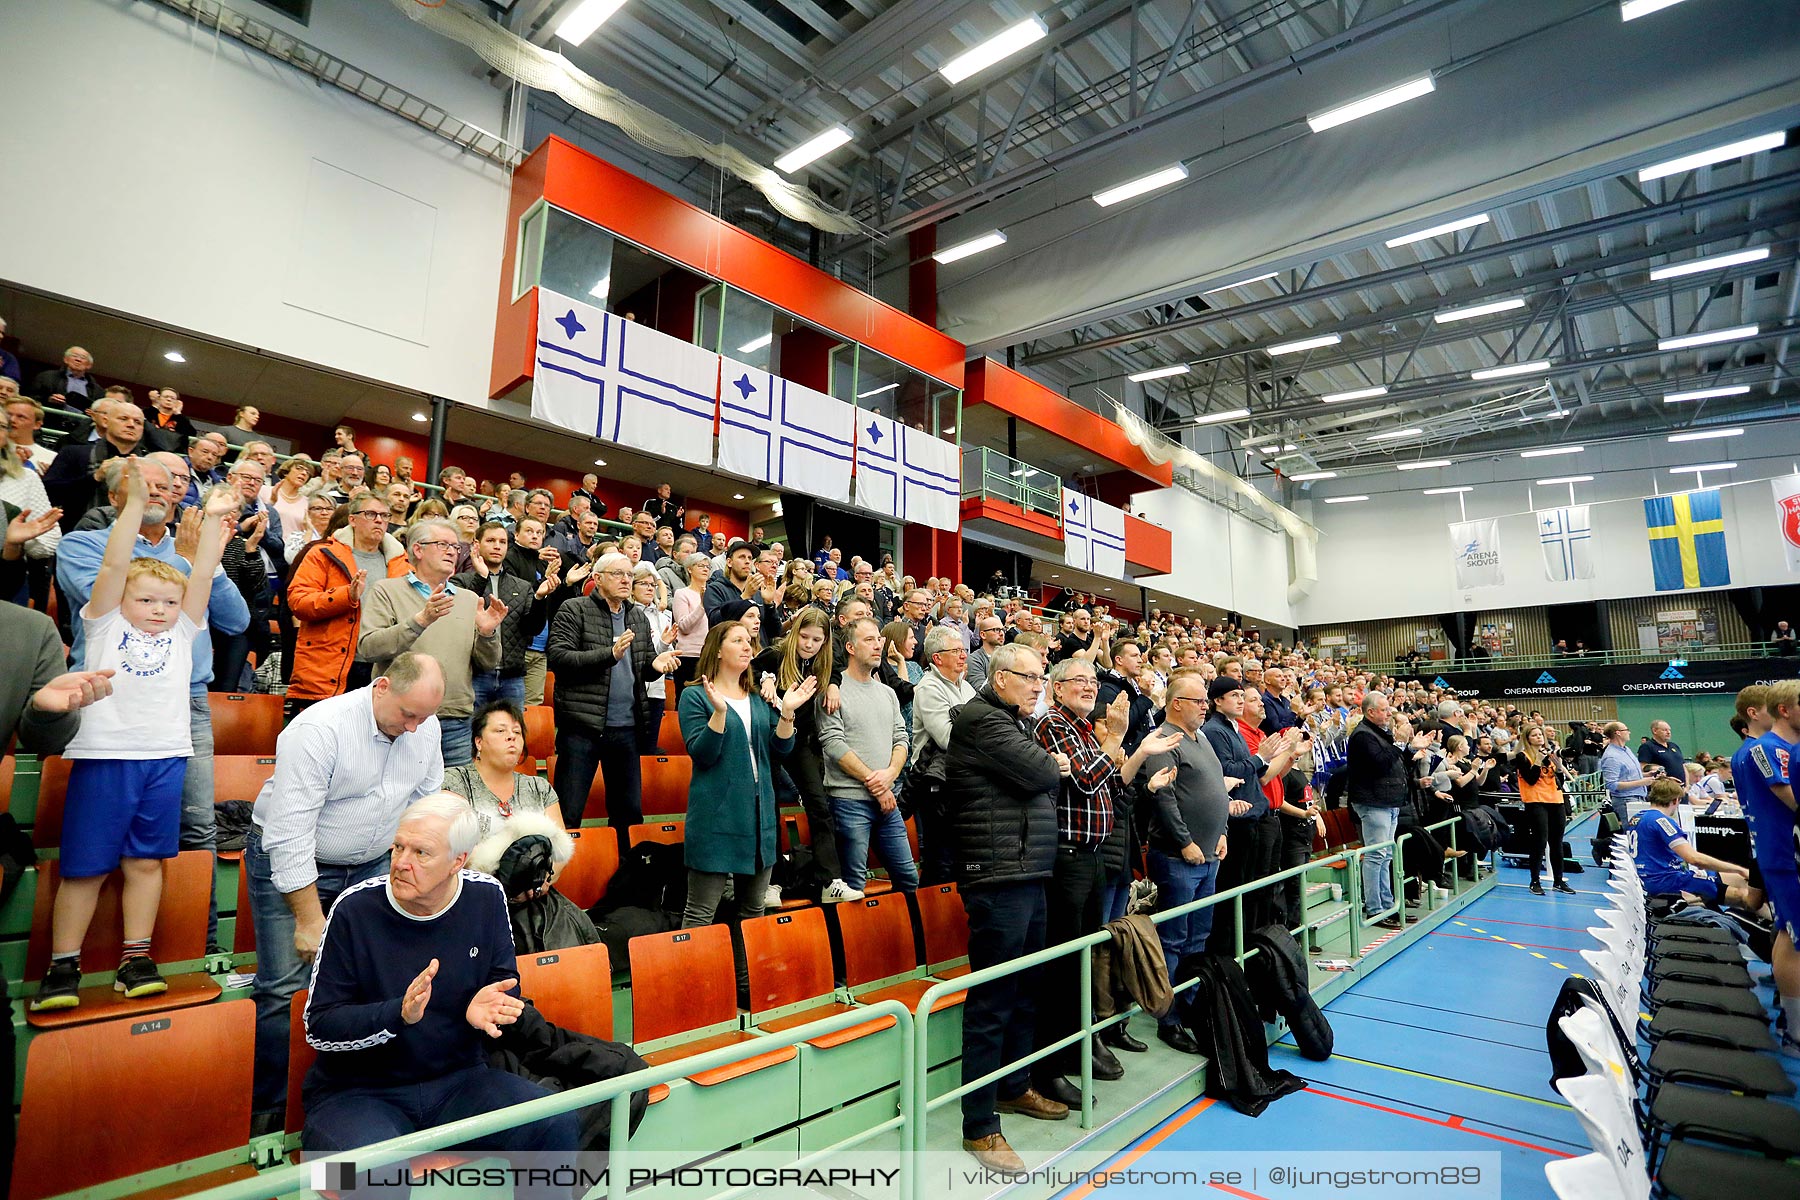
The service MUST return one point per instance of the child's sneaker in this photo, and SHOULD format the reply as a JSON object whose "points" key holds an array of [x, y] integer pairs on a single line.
{"points": [[138, 976], [61, 987]]}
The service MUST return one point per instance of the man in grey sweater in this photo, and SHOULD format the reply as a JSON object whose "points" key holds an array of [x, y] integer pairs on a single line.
{"points": [[864, 744]]}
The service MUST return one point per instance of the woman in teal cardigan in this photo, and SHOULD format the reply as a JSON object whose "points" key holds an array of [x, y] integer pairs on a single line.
{"points": [[731, 815]]}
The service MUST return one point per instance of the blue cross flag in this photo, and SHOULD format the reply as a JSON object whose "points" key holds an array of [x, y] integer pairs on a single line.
{"points": [[776, 431], [1093, 535]]}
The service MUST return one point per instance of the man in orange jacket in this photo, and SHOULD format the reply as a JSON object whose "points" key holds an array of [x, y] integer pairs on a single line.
{"points": [[325, 595]]}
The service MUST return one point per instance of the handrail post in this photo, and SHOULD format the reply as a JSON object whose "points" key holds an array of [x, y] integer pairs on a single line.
{"points": [[1397, 873], [1086, 980], [1353, 868]]}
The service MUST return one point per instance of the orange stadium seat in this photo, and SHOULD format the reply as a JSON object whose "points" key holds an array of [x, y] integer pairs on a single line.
{"points": [[244, 724], [665, 784], [300, 1061], [7, 773], [239, 777], [549, 688], [572, 988], [668, 736], [583, 880], [789, 957], [540, 731], [243, 930], [878, 944], [671, 833], [686, 982], [53, 792], [946, 930]]}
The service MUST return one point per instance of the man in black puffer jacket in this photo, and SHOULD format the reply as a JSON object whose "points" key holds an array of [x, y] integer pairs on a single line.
{"points": [[1000, 809], [1377, 775]]}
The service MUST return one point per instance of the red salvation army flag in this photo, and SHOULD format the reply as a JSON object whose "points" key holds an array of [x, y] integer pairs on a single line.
{"points": [[1787, 512]]}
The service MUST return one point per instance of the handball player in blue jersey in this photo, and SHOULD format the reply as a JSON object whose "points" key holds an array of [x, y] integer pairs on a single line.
{"points": [[1668, 864], [1762, 770]]}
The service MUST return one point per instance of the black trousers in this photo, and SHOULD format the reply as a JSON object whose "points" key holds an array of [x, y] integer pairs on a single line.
{"points": [[1252, 848], [1006, 921], [1421, 859], [580, 752], [1075, 903], [1544, 825], [1296, 848]]}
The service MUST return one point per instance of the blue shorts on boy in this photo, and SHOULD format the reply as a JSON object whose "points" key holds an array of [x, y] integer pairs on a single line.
{"points": [[1660, 868], [129, 757]]}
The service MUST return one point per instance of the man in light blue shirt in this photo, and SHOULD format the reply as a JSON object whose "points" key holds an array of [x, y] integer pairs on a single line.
{"points": [[1626, 778], [78, 565]]}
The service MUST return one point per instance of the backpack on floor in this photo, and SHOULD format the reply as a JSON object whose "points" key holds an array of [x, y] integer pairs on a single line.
{"points": [[1606, 829]]}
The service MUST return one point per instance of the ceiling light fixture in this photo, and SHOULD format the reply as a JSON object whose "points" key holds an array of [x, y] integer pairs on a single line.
{"points": [[1240, 283], [1511, 369], [886, 387], [599, 462], [1551, 451], [1368, 393], [421, 418], [1422, 466], [175, 356], [755, 344], [1234, 414], [1447, 491], [815, 147], [1344, 499], [1004, 44], [1718, 154], [1407, 239], [1717, 262], [1631, 10], [1718, 466], [737, 495], [1734, 334], [1705, 435], [1159, 373], [1412, 89], [1478, 310], [1137, 187], [1565, 479], [1549, 416], [584, 17], [974, 245], [1741, 389], [1396, 434], [950, 431], [1311, 343], [601, 290]]}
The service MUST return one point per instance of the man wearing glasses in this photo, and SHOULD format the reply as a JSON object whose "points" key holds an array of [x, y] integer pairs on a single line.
{"points": [[1000, 809], [936, 696], [325, 595], [424, 612]]}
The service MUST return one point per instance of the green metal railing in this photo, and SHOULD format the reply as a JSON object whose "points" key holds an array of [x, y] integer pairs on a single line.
{"points": [[992, 475], [1594, 658]]}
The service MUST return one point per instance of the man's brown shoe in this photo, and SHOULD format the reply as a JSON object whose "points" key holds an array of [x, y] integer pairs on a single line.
{"points": [[993, 1153], [1032, 1103]]}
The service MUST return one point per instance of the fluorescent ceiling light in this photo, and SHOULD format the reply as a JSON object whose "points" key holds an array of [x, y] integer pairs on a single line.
{"points": [[1447, 491], [1412, 89], [599, 462], [1551, 451], [1235, 414], [1631, 10], [421, 418], [1477, 310], [974, 245], [1705, 435], [1717, 262], [1004, 44], [1422, 466], [601, 290], [1735, 333], [1406, 239], [1368, 393], [1137, 187], [751, 347], [1550, 416], [1395, 434], [816, 147], [1312, 343], [1345, 499], [1742, 389], [886, 387], [1721, 466], [1240, 283], [1159, 373], [1566, 479], [175, 356], [1511, 369], [584, 17], [737, 495], [1271, 449], [1718, 154]]}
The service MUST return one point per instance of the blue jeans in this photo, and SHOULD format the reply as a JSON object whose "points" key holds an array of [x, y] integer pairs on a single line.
{"points": [[1006, 921], [279, 971], [859, 821], [1179, 882], [1378, 824], [198, 816], [457, 740], [490, 686], [344, 1118], [1117, 899]]}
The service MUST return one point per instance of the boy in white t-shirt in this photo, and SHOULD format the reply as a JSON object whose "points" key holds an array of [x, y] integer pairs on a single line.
{"points": [[130, 756]]}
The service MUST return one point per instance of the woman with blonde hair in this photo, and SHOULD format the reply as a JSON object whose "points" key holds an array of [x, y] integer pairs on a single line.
{"points": [[805, 652], [1541, 771]]}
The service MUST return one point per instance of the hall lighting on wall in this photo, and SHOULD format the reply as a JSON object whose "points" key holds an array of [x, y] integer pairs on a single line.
{"points": [[974, 245], [1705, 435], [1345, 499], [1240, 283], [1422, 466], [813, 148], [1551, 451], [1396, 434], [1736, 333], [601, 290], [1159, 373], [886, 387], [1311, 343], [1137, 187], [1447, 491], [1511, 369], [1717, 262], [752, 346], [1702, 467], [1742, 389], [1718, 154], [175, 356], [1477, 310], [1368, 393], [1412, 89], [1234, 414], [1004, 44], [1565, 479], [421, 418], [1407, 239], [1631, 10], [584, 17], [1311, 475]]}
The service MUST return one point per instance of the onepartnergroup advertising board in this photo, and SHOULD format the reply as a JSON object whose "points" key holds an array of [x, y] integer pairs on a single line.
{"points": [[1576, 678]]}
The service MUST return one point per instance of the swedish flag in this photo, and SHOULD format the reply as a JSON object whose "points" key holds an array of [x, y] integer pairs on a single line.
{"points": [[1687, 540]]}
